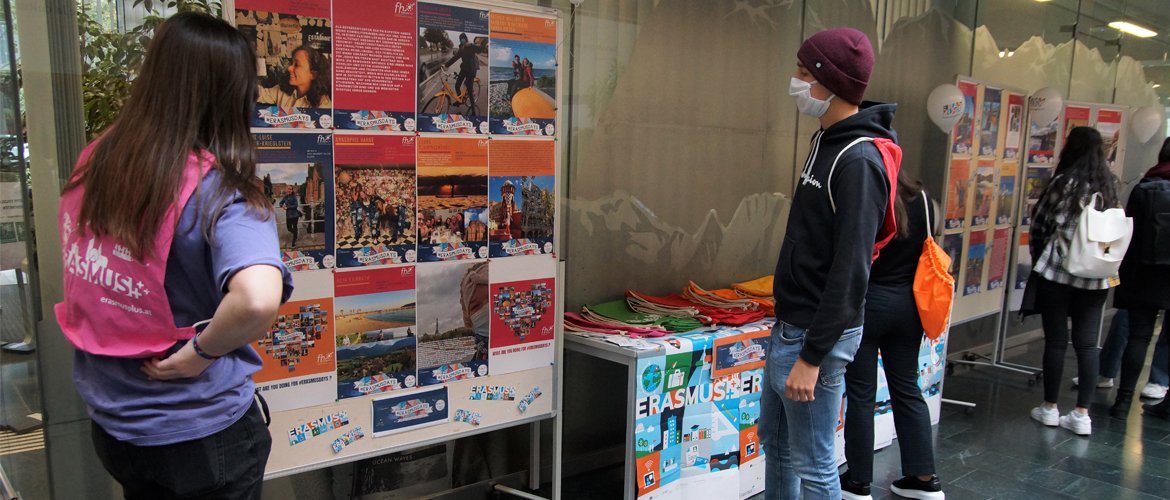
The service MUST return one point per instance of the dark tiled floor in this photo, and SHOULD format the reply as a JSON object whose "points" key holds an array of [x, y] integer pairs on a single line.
{"points": [[998, 451]]}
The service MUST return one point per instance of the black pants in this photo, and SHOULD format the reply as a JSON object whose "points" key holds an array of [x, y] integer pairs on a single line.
{"points": [[225, 465], [891, 326], [291, 225], [1057, 303], [1141, 330]]}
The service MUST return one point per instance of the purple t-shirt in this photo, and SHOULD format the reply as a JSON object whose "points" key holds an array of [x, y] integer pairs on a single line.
{"points": [[146, 412]]}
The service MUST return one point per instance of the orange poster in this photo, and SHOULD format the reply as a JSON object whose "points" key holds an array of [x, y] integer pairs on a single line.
{"points": [[298, 356]]}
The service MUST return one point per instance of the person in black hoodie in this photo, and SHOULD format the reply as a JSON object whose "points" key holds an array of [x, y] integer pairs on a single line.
{"points": [[838, 213], [1145, 278]]}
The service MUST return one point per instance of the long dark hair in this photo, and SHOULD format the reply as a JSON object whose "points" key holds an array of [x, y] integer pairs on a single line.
{"points": [[319, 65], [1082, 163], [908, 189], [195, 91]]}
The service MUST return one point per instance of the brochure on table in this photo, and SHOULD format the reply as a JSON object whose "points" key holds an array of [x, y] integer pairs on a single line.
{"points": [[409, 151]]}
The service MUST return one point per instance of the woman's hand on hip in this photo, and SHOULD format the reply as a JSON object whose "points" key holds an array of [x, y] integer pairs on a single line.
{"points": [[183, 364]]}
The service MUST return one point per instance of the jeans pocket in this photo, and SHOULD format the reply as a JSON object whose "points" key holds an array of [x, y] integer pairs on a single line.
{"points": [[833, 366], [789, 335]]}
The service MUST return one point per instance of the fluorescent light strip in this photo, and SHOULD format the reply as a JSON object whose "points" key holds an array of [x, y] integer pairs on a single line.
{"points": [[1132, 29]]}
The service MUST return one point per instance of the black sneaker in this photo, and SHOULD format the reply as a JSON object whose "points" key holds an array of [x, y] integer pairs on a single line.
{"points": [[853, 490], [1160, 410], [912, 487]]}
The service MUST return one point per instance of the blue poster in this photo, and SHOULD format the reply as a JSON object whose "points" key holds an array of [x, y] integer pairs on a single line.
{"points": [[295, 172], [410, 411]]}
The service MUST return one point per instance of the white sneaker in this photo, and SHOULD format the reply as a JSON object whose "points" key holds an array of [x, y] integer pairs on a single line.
{"points": [[1154, 391], [1077, 422], [1102, 383], [1046, 416]]}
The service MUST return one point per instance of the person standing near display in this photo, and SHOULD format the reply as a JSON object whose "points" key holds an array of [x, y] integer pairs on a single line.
{"points": [[167, 203], [1080, 174], [1145, 279], [292, 214], [838, 211], [892, 325]]}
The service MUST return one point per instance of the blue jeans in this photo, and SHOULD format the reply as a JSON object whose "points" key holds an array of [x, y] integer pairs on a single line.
{"points": [[799, 437], [1114, 348]]}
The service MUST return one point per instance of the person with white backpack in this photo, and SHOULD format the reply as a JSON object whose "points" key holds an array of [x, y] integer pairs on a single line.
{"points": [[1071, 283], [1145, 278]]}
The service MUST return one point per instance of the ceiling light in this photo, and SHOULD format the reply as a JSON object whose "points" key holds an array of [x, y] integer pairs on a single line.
{"points": [[1132, 29]]}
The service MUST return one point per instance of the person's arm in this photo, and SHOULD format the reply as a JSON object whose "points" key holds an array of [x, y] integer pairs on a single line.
{"points": [[243, 316], [861, 194]]}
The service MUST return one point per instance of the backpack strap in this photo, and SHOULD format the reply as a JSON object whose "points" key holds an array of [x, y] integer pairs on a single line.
{"points": [[829, 182], [926, 208]]}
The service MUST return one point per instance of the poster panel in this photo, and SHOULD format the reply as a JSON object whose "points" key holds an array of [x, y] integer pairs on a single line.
{"points": [[452, 198], [297, 351], [376, 331], [453, 318], [1112, 133], [997, 268], [294, 59], [401, 413], [375, 199], [296, 173], [984, 187], [1075, 116], [1042, 142], [1015, 126], [976, 256], [453, 69], [1006, 198], [523, 75], [963, 135], [989, 126], [1035, 180], [522, 312], [374, 45], [957, 188], [521, 197]]}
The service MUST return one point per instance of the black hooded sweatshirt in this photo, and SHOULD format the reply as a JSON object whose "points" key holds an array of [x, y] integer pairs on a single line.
{"points": [[823, 271]]}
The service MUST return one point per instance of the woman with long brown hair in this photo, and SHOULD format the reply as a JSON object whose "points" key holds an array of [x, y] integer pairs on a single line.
{"points": [[163, 228]]}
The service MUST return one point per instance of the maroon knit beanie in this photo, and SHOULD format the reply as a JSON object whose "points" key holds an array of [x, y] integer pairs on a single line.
{"points": [[841, 60]]}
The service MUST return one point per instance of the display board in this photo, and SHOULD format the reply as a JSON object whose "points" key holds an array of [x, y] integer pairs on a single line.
{"points": [[1045, 142], [698, 406], [980, 206], [409, 152]]}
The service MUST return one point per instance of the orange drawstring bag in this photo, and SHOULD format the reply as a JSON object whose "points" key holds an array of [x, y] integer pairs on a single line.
{"points": [[934, 287]]}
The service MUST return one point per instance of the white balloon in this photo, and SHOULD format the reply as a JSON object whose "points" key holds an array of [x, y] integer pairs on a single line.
{"points": [[1045, 105], [1145, 122], [945, 106]]}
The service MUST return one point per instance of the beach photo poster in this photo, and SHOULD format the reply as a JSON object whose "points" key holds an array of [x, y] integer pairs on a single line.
{"points": [[452, 198], [523, 98], [298, 356], [295, 172], [376, 199], [984, 192], [374, 70], [454, 317], [521, 197], [989, 127], [958, 186], [976, 257], [293, 40], [376, 330], [523, 313], [453, 69], [963, 135]]}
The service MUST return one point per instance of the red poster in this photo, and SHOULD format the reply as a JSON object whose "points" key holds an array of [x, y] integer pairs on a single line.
{"points": [[1015, 126], [963, 135], [375, 199], [294, 59], [297, 346], [957, 188], [1075, 116], [374, 46], [999, 255], [523, 312]]}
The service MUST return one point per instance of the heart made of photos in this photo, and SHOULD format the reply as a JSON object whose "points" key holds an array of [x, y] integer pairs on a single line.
{"points": [[521, 310]]}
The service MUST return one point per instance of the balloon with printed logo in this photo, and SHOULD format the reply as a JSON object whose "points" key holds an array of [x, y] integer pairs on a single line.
{"points": [[1145, 122], [945, 106], [1045, 105]]}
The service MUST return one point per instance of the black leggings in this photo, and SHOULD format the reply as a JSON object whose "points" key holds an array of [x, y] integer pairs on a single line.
{"points": [[891, 325], [1141, 330], [1056, 303]]}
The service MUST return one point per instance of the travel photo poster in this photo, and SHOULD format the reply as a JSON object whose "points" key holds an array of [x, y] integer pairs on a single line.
{"points": [[295, 172], [1035, 180], [1109, 125], [297, 352], [996, 269], [957, 188], [401, 413], [521, 197], [953, 246], [976, 255], [376, 199], [963, 136], [523, 75], [1042, 142], [989, 128], [523, 313], [1015, 126], [452, 198], [374, 75], [376, 330], [453, 69], [294, 58], [1075, 116], [1006, 198], [984, 193], [454, 318]]}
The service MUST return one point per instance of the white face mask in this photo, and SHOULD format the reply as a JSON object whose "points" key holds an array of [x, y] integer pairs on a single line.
{"points": [[805, 102]]}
